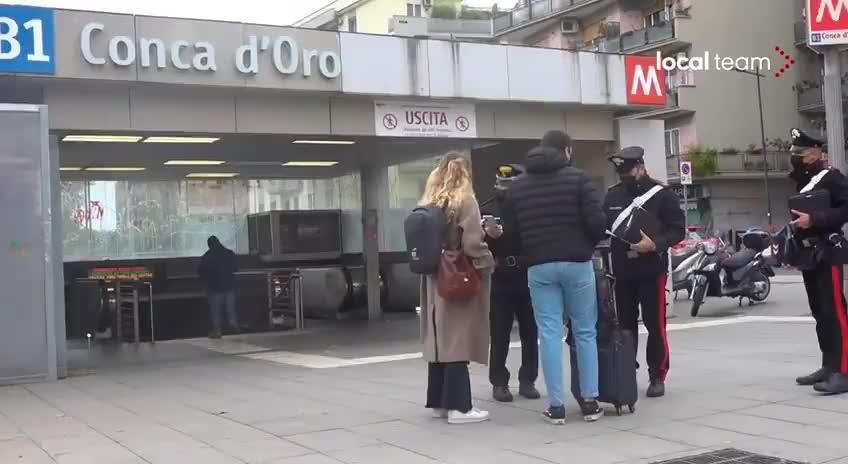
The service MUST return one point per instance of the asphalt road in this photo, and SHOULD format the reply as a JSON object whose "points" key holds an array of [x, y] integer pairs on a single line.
{"points": [[787, 298]]}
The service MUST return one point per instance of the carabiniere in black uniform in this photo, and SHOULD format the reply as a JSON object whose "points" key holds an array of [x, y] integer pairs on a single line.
{"points": [[641, 276], [510, 299], [817, 247]]}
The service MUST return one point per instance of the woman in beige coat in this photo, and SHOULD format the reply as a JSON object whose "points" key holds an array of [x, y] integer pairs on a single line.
{"points": [[456, 333]]}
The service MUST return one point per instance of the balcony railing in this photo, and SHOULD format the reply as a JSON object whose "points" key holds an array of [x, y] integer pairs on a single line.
{"points": [[417, 26], [800, 32], [778, 161], [459, 26], [650, 35], [535, 10], [672, 166], [737, 163], [672, 99], [814, 97], [633, 40]]}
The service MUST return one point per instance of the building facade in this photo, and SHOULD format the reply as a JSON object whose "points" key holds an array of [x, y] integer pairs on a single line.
{"points": [[712, 116]]}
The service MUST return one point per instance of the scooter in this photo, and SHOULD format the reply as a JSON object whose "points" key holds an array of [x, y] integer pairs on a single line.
{"points": [[744, 274], [684, 263], [684, 268]]}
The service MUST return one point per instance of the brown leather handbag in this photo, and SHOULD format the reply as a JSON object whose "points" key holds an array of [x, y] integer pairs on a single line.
{"points": [[457, 279]]}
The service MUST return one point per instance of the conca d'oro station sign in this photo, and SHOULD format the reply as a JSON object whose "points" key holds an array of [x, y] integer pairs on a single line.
{"points": [[282, 53]]}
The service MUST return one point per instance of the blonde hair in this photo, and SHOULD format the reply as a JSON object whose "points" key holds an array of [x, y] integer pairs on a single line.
{"points": [[449, 184]]}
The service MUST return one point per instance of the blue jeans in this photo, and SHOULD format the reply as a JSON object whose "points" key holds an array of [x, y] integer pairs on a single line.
{"points": [[568, 289], [222, 302]]}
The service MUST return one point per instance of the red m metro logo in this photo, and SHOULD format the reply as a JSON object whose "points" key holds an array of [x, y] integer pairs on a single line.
{"points": [[828, 15], [645, 81]]}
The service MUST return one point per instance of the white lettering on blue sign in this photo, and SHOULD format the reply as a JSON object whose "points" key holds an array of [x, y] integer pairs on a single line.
{"points": [[27, 40]]}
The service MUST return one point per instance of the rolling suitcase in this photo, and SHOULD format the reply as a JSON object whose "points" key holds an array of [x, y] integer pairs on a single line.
{"points": [[617, 383]]}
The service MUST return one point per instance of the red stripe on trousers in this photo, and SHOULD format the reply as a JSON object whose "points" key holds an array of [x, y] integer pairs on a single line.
{"points": [[666, 364], [839, 306]]}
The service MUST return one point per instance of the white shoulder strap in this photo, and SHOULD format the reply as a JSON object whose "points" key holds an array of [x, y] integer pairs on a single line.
{"points": [[815, 180], [638, 202]]}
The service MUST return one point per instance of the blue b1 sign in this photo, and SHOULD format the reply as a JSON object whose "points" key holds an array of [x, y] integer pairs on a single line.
{"points": [[27, 40]]}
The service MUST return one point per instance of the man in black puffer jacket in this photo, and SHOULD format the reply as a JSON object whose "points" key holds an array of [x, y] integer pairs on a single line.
{"points": [[557, 212]]}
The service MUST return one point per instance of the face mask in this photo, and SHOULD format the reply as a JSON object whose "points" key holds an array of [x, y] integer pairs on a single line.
{"points": [[627, 179], [797, 163], [815, 166]]}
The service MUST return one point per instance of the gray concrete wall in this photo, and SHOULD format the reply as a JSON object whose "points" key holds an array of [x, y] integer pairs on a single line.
{"points": [[138, 107], [726, 101], [740, 204]]}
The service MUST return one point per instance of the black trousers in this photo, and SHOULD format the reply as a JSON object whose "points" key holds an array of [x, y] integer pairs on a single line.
{"points": [[825, 293], [449, 387], [650, 294], [511, 301]]}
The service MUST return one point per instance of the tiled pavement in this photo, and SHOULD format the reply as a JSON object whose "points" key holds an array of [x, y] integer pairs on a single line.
{"points": [[731, 387]]}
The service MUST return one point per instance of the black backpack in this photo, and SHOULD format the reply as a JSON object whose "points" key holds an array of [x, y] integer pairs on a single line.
{"points": [[425, 234]]}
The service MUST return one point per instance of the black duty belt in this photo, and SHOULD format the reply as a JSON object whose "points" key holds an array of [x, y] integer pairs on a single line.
{"points": [[810, 242], [834, 239]]}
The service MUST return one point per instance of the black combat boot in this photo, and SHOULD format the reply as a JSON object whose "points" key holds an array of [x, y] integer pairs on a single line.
{"points": [[502, 394], [811, 379], [835, 384], [656, 389], [528, 390]]}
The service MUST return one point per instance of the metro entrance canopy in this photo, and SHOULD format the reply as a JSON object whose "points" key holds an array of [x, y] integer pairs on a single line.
{"points": [[269, 102], [79, 45]]}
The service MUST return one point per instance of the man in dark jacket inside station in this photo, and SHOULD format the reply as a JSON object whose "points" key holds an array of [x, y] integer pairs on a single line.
{"points": [[556, 209], [510, 296], [217, 269], [640, 254]]}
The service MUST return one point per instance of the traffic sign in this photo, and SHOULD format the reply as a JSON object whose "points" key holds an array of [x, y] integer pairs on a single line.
{"points": [[686, 173], [827, 22]]}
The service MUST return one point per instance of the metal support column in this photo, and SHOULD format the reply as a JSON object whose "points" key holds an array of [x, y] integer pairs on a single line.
{"points": [[833, 108]]}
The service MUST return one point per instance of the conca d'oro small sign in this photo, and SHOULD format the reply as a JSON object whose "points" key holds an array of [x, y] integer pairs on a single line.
{"points": [[283, 53]]}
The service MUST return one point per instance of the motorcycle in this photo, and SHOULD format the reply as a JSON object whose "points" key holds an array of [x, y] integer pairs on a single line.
{"points": [[744, 274]]}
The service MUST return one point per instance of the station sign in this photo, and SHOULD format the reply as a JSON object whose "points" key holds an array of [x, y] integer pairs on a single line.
{"points": [[446, 120], [283, 53], [646, 82], [827, 22], [27, 40]]}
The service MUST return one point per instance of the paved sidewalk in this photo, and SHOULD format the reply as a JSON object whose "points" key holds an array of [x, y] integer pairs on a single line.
{"points": [[731, 386]]}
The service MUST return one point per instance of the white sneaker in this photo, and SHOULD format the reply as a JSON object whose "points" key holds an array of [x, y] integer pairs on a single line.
{"points": [[471, 417], [440, 413]]}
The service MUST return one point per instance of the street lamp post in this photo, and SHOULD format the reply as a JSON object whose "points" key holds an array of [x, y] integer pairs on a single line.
{"points": [[763, 139]]}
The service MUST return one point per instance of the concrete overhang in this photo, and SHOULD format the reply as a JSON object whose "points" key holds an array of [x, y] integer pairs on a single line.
{"points": [[209, 55]]}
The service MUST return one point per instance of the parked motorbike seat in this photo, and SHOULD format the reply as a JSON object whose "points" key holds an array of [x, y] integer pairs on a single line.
{"points": [[739, 260]]}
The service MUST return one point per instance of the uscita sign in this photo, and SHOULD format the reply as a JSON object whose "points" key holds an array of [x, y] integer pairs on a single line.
{"points": [[395, 119], [426, 118]]}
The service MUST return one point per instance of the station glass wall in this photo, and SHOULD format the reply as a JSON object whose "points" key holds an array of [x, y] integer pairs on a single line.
{"points": [[151, 219], [127, 219]]}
